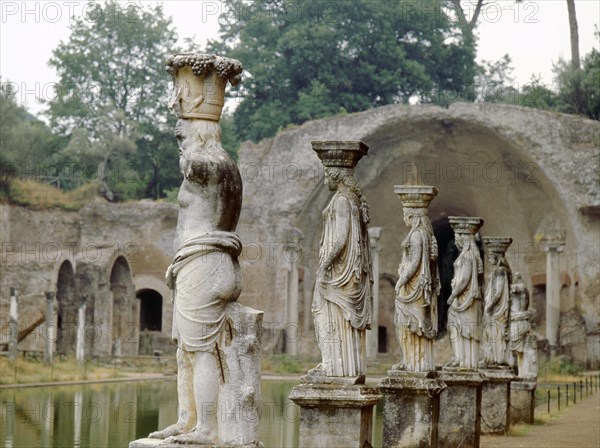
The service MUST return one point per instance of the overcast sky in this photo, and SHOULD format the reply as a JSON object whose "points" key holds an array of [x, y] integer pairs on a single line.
{"points": [[534, 33]]}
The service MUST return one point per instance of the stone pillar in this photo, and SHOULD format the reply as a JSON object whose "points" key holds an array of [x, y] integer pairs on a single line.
{"points": [[308, 295], [553, 246], [292, 327], [373, 335], [522, 401], [495, 400], [49, 350], [411, 409], [335, 415], [13, 332], [80, 343], [460, 409]]}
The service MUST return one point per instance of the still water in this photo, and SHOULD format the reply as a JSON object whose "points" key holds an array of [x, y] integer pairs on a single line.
{"points": [[112, 415]]}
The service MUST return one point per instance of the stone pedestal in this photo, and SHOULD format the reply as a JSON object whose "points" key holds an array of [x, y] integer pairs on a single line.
{"points": [[522, 401], [495, 400], [411, 409], [460, 409], [335, 415]]}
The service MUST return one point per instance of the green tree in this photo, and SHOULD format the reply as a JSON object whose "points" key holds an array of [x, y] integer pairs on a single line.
{"points": [[27, 145], [307, 60], [112, 90], [579, 89]]}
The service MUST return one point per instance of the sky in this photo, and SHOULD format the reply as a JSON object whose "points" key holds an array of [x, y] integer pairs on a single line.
{"points": [[534, 33]]}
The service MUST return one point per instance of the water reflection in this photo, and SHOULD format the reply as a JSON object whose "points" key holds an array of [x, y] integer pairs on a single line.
{"points": [[112, 415]]}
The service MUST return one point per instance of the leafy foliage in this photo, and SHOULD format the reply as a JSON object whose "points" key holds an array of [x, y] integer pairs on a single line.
{"points": [[312, 59], [579, 89], [110, 98]]}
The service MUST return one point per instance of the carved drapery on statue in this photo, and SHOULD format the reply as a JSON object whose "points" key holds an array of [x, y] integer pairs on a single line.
{"points": [[342, 302], [496, 303], [418, 286], [464, 314], [199, 308], [523, 340]]}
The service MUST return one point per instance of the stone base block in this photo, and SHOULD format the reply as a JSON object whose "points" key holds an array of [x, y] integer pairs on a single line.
{"points": [[522, 401], [495, 400], [460, 409], [411, 409], [156, 443], [335, 415]]}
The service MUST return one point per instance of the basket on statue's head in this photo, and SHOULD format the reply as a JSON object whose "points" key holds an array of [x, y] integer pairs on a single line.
{"points": [[199, 84]]}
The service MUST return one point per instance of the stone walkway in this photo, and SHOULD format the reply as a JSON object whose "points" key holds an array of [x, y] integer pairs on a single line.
{"points": [[578, 426]]}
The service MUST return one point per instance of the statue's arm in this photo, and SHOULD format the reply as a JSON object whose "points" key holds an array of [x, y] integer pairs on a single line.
{"points": [[462, 278], [342, 230], [412, 261]]}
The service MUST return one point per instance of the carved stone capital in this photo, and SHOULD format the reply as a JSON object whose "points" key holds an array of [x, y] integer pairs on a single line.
{"points": [[415, 196], [199, 84], [340, 153], [469, 225], [497, 244]]}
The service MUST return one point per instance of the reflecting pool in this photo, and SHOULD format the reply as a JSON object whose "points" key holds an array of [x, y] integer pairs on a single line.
{"points": [[113, 414]]}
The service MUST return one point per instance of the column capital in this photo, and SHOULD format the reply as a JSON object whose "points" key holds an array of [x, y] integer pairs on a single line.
{"points": [[554, 242], [374, 238], [50, 296]]}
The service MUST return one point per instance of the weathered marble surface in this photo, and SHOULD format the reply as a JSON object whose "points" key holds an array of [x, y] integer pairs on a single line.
{"points": [[219, 341], [522, 401], [523, 339], [342, 304], [465, 312], [334, 415], [495, 400], [411, 407], [418, 283], [460, 409], [496, 303]]}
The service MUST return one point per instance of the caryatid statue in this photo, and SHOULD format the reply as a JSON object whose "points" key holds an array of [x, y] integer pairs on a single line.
{"points": [[205, 274], [342, 302], [523, 341], [464, 314], [496, 303], [418, 285]]}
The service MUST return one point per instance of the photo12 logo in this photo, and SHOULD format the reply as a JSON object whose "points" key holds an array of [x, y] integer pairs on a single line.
{"points": [[55, 12]]}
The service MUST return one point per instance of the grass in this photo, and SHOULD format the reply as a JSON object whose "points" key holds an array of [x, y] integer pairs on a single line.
{"points": [[41, 195], [34, 370], [25, 371], [559, 370], [285, 364]]}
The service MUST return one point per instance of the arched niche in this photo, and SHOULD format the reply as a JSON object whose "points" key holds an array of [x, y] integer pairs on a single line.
{"points": [[478, 170], [151, 309], [66, 316], [125, 310]]}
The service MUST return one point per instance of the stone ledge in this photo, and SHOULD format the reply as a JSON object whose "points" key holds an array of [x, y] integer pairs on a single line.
{"points": [[334, 395], [497, 375], [523, 385], [411, 384], [461, 376], [159, 443]]}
